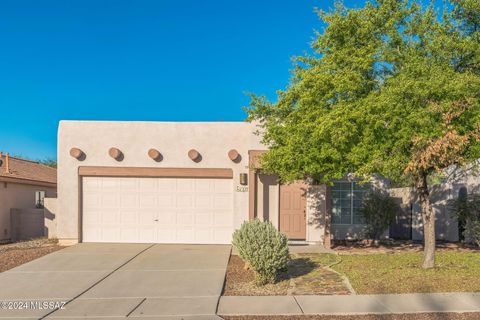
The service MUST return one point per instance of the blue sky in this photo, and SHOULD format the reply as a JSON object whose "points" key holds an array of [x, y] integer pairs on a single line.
{"points": [[159, 60]]}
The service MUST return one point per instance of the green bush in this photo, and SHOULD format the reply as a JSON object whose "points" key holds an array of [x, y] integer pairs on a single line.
{"points": [[263, 248], [379, 213], [466, 208]]}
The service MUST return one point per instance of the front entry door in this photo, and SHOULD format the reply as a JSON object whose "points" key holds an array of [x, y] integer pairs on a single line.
{"points": [[293, 210]]}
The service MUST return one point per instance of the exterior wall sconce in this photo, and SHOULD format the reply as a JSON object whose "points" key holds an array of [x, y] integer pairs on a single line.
{"points": [[243, 179]]}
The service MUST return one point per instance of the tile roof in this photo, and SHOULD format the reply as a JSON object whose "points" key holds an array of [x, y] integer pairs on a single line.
{"points": [[28, 170]]}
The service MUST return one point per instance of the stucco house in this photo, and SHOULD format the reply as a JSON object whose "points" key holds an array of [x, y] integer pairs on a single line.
{"points": [[185, 182], [23, 185]]}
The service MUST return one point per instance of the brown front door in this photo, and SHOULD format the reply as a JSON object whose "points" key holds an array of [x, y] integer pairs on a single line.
{"points": [[293, 210]]}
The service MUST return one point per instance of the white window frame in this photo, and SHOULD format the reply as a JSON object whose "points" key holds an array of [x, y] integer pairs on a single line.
{"points": [[352, 208], [40, 198]]}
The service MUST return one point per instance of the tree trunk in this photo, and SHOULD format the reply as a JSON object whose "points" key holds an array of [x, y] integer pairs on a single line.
{"points": [[428, 217], [327, 238]]}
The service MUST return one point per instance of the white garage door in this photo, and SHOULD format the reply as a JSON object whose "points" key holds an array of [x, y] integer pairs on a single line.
{"points": [[157, 210]]}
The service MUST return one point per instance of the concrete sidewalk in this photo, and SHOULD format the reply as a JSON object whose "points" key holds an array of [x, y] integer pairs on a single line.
{"points": [[349, 304]]}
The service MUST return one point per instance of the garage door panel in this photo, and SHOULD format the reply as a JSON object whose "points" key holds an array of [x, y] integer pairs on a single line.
{"points": [[185, 200], [222, 201], [204, 185], [91, 200], [110, 200], [220, 220], [129, 201], [145, 235], [92, 184], [92, 219], [108, 184], [203, 201], [157, 210], [185, 234], [185, 185], [166, 201], [146, 217], [219, 234], [185, 218], [126, 184], [167, 219], [222, 186], [147, 200], [203, 235], [168, 185], [127, 233], [109, 217], [203, 219], [109, 232], [128, 217], [147, 183], [92, 233]]}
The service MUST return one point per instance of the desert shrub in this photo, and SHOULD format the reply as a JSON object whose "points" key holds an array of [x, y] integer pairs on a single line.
{"points": [[263, 248], [466, 209], [378, 211]]}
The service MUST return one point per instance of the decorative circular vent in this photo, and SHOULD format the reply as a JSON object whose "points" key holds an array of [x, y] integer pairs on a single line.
{"points": [[116, 154], [194, 155], [233, 155], [155, 155], [77, 154]]}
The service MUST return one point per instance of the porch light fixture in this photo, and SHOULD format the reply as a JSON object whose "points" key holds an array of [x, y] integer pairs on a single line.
{"points": [[243, 179]]}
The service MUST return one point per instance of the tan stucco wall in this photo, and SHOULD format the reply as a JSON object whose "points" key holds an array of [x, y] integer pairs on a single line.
{"points": [[21, 196], [173, 139], [268, 201], [316, 209]]}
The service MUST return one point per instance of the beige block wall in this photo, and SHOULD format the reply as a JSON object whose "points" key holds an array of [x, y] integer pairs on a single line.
{"points": [[50, 215], [20, 196], [26, 224], [446, 226], [173, 139]]}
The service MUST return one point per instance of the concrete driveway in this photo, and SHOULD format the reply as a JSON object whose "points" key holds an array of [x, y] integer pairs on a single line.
{"points": [[118, 281]]}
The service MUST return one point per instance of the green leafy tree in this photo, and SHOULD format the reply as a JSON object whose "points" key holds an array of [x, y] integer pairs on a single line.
{"points": [[392, 88], [49, 162], [379, 213], [466, 209]]}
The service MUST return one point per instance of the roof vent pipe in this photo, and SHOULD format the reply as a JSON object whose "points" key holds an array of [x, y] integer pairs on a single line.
{"points": [[7, 169]]}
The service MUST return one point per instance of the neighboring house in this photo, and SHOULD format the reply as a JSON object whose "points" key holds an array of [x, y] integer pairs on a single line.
{"points": [[23, 185], [185, 182]]}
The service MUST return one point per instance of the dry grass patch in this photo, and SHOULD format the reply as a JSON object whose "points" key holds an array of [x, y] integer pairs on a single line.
{"points": [[456, 271], [306, 274]]}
